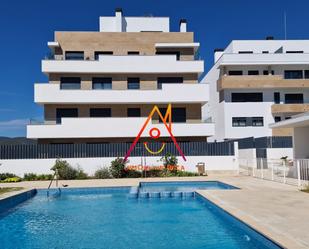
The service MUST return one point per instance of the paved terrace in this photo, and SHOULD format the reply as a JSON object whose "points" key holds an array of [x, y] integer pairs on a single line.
{"points": [[279, 211]]}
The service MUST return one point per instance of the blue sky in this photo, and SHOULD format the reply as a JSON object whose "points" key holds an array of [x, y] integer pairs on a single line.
{"points": [[26, 26]]}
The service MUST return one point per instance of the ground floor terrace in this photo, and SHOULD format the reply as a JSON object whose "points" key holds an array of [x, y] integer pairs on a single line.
{"points": [[276, 210]]}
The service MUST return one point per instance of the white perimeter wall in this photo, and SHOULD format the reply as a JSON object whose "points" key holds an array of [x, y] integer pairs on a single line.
{"points": [[300, 142], [277, 153], [90, 165]]}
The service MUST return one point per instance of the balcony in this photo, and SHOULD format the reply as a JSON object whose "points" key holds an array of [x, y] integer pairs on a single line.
{"points": [[263, 59], [259, 81], [124, 64], [113, 128], [289, 108], [170, 93]]}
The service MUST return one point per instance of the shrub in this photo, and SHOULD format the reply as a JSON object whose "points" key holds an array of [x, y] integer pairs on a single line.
{"points": [[133, 174], [155, 173], [66, 172], [35, 177], [102, 173], [4, 176], [44, 177], [169, 160], [117, 168], [186, 173], [81, 175], [12, 179], [29, 177]]}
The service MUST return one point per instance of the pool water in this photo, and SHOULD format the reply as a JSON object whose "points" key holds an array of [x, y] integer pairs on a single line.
{"points": [[107, 218], [182, 186]]}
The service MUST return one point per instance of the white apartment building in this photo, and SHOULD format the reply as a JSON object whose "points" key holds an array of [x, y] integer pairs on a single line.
{"points": [[102, 85], [255, 83]]}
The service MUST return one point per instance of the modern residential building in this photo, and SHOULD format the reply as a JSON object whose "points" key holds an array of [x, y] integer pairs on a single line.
{"points": [[102, 85], [256, 83]]}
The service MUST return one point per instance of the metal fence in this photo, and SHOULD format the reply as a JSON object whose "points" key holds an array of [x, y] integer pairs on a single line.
{"points": [[294, 172], [265, 142], [42, 151]]}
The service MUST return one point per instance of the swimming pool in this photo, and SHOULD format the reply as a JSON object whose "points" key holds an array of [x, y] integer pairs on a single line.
{"points": [[107, 218]]}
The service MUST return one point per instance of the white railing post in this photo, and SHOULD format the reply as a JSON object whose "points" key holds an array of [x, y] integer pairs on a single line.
{"points": [[298, 173], [262, 166], [272, 171], [284, 172]]}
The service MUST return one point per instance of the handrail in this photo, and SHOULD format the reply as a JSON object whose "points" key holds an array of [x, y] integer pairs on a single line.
{"points": [[55, 175]]}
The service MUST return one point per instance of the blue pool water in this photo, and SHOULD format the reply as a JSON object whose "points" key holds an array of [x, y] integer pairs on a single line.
{"points": [[107, 218], [182, 186]]}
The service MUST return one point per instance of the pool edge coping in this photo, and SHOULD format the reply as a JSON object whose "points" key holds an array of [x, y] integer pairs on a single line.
{"points": [[278, 239]]}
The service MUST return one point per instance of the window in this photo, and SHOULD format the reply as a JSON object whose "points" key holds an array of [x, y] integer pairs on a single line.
{"points": [[97, 53], [265, 52], [134, 112], [69, 83], [100, 112], [247, 97], [247, 121], [65, 113], [178, 115], [294, 98], [277, 98], [169, 80], [253, 72], [235, 72], [266, 72], [306, 74], [293, 74], [257, 121], [239, 121], [74, 55], [102, 83], [286, 118], [277, 119], [133, 52], [133, 83], [245, 52], [169, 53], [294, 52]]}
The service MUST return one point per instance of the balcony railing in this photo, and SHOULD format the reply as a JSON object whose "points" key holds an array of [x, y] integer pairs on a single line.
{"points": [[114, 127], [170, 93], [259, 81], [290, 108]]}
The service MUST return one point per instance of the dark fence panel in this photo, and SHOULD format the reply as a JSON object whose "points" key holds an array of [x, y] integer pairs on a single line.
{"points": [[246, 143], [265, 142], [41, 151]]}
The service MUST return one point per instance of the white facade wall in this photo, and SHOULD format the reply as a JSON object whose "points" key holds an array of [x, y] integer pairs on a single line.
{"points": [[258, 46], [133, 24], [90, 165], [300, 142]]}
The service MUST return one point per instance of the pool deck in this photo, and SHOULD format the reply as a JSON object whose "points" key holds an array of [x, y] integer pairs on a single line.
{"points": [[279, 211]]}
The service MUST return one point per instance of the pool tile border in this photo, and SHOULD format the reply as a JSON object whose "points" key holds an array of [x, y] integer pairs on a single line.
{"points": [[15, 199]]}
